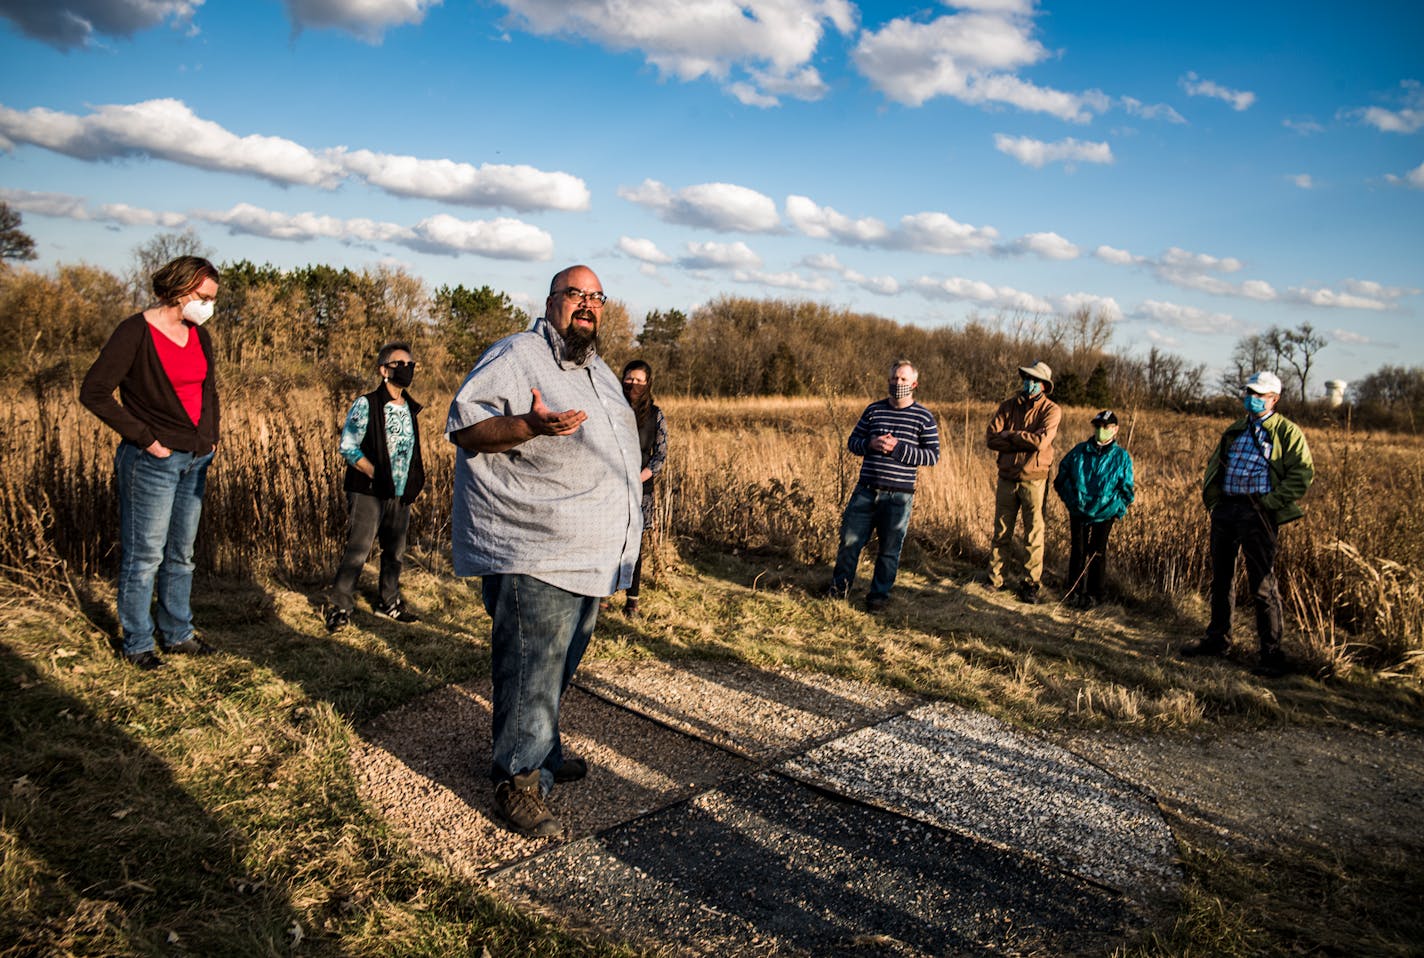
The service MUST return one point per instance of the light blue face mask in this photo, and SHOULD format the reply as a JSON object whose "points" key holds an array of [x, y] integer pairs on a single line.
{"points": [[1254, 404], [1032, 387]]}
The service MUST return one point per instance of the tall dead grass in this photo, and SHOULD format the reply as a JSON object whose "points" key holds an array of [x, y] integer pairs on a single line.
{"points": [[765, 474]]}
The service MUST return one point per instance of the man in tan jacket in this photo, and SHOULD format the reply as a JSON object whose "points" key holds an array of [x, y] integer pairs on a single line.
{"points": [[1022, 433]]}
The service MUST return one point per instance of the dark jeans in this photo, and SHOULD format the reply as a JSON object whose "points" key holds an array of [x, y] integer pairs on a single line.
{"points": [[538, 636], [1239, 525], [888, 514], [372, 518], [1088, 557]]}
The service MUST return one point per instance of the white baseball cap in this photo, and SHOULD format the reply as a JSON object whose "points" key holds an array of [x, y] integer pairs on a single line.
{"points": [[1264, 383]]}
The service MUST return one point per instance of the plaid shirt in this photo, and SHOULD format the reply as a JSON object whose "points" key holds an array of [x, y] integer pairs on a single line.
{"points": [[1248, 467]]}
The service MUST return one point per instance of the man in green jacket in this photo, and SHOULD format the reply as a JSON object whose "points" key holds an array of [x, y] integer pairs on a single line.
{"points": [[1258, 471]]}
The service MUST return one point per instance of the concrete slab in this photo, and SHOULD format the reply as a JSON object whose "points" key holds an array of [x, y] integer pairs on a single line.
{"points": [[969, 773], [764, 866], [758, 713]]}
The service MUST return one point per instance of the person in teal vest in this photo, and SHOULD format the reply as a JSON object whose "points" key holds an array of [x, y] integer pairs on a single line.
{"points": [[1095, 483]]}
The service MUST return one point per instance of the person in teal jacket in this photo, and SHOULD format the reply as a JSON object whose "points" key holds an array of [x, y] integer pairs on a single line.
{"points": [[1095, 483], [1257, 473]]}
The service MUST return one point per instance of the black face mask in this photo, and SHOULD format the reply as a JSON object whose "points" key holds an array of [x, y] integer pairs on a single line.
{"points": [[403, 376]]}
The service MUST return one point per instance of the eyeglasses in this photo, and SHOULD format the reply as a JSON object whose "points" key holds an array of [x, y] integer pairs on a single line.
{"points": [[400, 364], [574, 294]]}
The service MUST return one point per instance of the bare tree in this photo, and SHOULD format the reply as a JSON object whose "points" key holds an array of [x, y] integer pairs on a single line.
{"points": [[162, 249], [15, 243], [1298, 348]]}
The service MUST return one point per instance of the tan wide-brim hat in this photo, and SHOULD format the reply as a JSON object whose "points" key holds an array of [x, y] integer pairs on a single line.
{"points": [[1040, 371]]}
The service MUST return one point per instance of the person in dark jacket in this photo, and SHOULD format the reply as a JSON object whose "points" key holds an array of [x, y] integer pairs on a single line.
{"points": [[161, 363], [384, 473], [652, 441], [1095, 483], [1021, 432], [1259, 469]]}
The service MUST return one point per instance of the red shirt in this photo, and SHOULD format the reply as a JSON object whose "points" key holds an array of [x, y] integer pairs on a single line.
{"points": [[186, 367]]}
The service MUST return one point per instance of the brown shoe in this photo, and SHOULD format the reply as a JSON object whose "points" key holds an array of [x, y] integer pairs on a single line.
{"points": [[519, 803]]}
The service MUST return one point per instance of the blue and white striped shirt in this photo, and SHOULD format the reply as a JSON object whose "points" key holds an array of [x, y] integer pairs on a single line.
{"points": [[918, 444]]}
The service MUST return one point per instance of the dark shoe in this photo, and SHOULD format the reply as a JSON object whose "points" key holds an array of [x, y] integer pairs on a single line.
{"points": [[630, 609], [397, 611], [191, 646], [1273, 665], [1028, 593], [876, 604], [146, 661], [1204, 647], [519, 803], [337, 619], [834, 591], [573, 769]]}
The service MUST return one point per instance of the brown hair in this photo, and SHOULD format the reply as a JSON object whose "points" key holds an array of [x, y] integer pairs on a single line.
{"points": [[181, 277]]}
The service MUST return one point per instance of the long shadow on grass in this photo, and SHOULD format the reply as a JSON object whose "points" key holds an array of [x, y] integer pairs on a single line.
{"points": [[127, 860]]}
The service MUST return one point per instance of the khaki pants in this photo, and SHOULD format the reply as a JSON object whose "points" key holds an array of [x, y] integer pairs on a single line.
{"points": [[1011, 498]]}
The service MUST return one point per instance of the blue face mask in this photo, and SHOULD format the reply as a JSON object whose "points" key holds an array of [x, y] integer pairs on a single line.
{"points": [[1254, 404], [1032, 387]]}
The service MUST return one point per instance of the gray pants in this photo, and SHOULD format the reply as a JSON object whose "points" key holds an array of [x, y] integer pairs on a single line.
{"points": [[372, 519]]}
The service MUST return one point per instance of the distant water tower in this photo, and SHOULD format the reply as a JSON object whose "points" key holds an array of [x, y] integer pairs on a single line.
{"points": [[1335, 391]]}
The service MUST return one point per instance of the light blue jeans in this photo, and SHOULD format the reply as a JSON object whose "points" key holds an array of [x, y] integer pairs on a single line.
{"points": [[888, 514], [160, 502], [539, 635]]}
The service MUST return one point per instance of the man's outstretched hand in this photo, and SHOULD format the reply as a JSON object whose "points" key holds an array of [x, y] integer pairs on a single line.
{"points": [[546, 422]]}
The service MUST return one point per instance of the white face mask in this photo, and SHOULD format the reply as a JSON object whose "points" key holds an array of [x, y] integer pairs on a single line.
{"points": [[198, 311]]}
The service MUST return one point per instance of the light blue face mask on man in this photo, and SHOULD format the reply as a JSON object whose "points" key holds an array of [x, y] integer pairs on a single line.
{"points": [[1254, 404], [1032, 387]]}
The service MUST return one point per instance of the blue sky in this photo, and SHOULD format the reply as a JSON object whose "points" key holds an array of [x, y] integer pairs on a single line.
{"points": [[1200, 172]]}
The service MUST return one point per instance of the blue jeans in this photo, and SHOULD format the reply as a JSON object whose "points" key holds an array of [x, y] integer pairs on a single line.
{"points": [[888, 514], [538, 637], [160, 502]]}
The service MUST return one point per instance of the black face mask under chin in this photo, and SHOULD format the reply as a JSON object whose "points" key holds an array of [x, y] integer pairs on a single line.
{"points": [[403, 376]]}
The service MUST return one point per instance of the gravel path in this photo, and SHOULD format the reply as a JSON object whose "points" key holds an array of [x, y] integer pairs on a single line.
{"points": [[733, 809]]}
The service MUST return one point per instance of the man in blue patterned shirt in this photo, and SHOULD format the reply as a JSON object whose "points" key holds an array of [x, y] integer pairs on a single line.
{"points": [[895, 436], [384, 473], [548, 512], [1260, 467]]}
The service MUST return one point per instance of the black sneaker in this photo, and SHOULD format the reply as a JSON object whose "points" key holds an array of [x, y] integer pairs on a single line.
{"points": [[573, 769], [1028, 593], [519, 803], [397, 611], [337, 619], [1204, 647], [146, 661], [191, 646]]}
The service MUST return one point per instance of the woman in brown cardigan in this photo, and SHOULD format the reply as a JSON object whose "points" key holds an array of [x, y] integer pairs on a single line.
{"points": [[161, 363]]}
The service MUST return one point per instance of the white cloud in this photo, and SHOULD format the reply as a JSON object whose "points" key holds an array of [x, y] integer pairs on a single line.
{"points": [[1045, 246], [822, 222], [941, 233], [1153, 111], [970, 56], [168, 130], [1413, 179], [712, 255], [365, 19], [76, 23], [957, 289], [643, 249], [824, 261], [522, 188], [135, 216], [1366, 287], [829, 263], [1037, 153], [814, 284], [501, 238], [1303, 180], [771, 41], [1195, 86], [1118, 257], [717, 206], [1333, 299], [1409, 119], [62, 205], [1304, 126], [1351, 337], [1104, 306], [1189, 318], [1163, 339]]}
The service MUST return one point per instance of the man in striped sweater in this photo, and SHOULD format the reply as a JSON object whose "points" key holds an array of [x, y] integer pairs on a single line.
{"points": [[895, 436]]}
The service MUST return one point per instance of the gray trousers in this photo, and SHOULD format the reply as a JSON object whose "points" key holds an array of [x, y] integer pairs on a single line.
{"points": [[372, 519]]}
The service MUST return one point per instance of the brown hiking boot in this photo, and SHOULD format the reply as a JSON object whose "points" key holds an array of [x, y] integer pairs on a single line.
{"points": [[519, 803]]}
